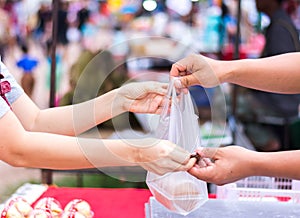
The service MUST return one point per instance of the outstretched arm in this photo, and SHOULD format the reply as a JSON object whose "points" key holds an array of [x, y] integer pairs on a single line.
{"points": [[274, 74], [231, 163], [143, 97], [19, 147]]}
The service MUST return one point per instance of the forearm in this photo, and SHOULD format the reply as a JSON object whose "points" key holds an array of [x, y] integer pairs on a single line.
{"points": [[75, 119], [274, 74], [277, 164], [46, 150]]}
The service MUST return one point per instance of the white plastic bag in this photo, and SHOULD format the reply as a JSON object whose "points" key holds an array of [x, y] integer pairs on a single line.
{"points": [[178, 191]]}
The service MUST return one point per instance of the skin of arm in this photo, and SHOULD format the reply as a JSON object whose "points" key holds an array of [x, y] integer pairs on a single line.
{"points": [[278, 74], [44, 138], [231, 163], [72, 120]]}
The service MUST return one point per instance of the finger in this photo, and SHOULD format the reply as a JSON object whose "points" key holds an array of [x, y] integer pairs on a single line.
{"points": [[175, 167], [172, 166], [161, 101], [203, 173], [164, 105], [178, 84], [196, 171], [154, 102], [156, 87], [207, 152], [179, 87], [207, 161], [180, 155], [165, 85], [195, 155], [177, 68], [163, 166], [161, 88], [190, 163], [167, 165], [202, 163], [189, 80]]}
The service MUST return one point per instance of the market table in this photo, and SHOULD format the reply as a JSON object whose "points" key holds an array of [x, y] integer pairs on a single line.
{"points": [[131, 202], [105, 202], [139, 203]]}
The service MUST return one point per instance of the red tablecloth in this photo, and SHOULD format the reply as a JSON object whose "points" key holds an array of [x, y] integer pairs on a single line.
{"points": [[106, 203]]}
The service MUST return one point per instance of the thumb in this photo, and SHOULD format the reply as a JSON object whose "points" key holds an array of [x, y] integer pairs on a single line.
{"points": [[160, 88], [189, 80], [207, 152]]}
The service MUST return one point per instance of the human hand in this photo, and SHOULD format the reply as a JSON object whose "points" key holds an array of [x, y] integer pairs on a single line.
{"points": [[195, 70], [143, 97], [224, 165], [162, 156]]}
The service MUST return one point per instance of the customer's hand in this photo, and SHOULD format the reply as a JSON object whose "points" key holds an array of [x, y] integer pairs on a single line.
{"points": [[162, 156], [195, 70], [224, 165], [143, 97]]}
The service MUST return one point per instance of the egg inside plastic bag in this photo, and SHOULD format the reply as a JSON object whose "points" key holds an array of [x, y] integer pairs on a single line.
{"points": [[180, 192]]}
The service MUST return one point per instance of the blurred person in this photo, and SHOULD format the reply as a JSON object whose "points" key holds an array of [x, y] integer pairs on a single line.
{"points": [[60, 64], [246, 27], [4, 29], [21, 11], [212, 34], [63, 23], [296, 16], [229, 25], [228, 164], [281, 36], [31, 137], [44, 16], [27, 63], [290, 6], [83, 15]]}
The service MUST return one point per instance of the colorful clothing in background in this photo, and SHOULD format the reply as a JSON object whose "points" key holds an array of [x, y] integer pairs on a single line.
{"points": [[27, 64]]}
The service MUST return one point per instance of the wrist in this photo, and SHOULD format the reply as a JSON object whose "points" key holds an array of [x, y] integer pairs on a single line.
{"points": [[225, 71], [108, 105], [121, 102], [141, 149], [257, 164]]}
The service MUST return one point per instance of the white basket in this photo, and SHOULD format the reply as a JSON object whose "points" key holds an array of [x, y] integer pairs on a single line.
{"points": [[258, 188]]}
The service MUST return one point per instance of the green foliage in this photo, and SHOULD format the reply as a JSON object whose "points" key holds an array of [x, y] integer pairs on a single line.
{"points": [[96, 181]]}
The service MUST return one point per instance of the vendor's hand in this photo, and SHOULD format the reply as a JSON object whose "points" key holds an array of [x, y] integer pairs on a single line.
{"points": [[162, 156], [143, 97], [224, 165], [195, 70]]}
